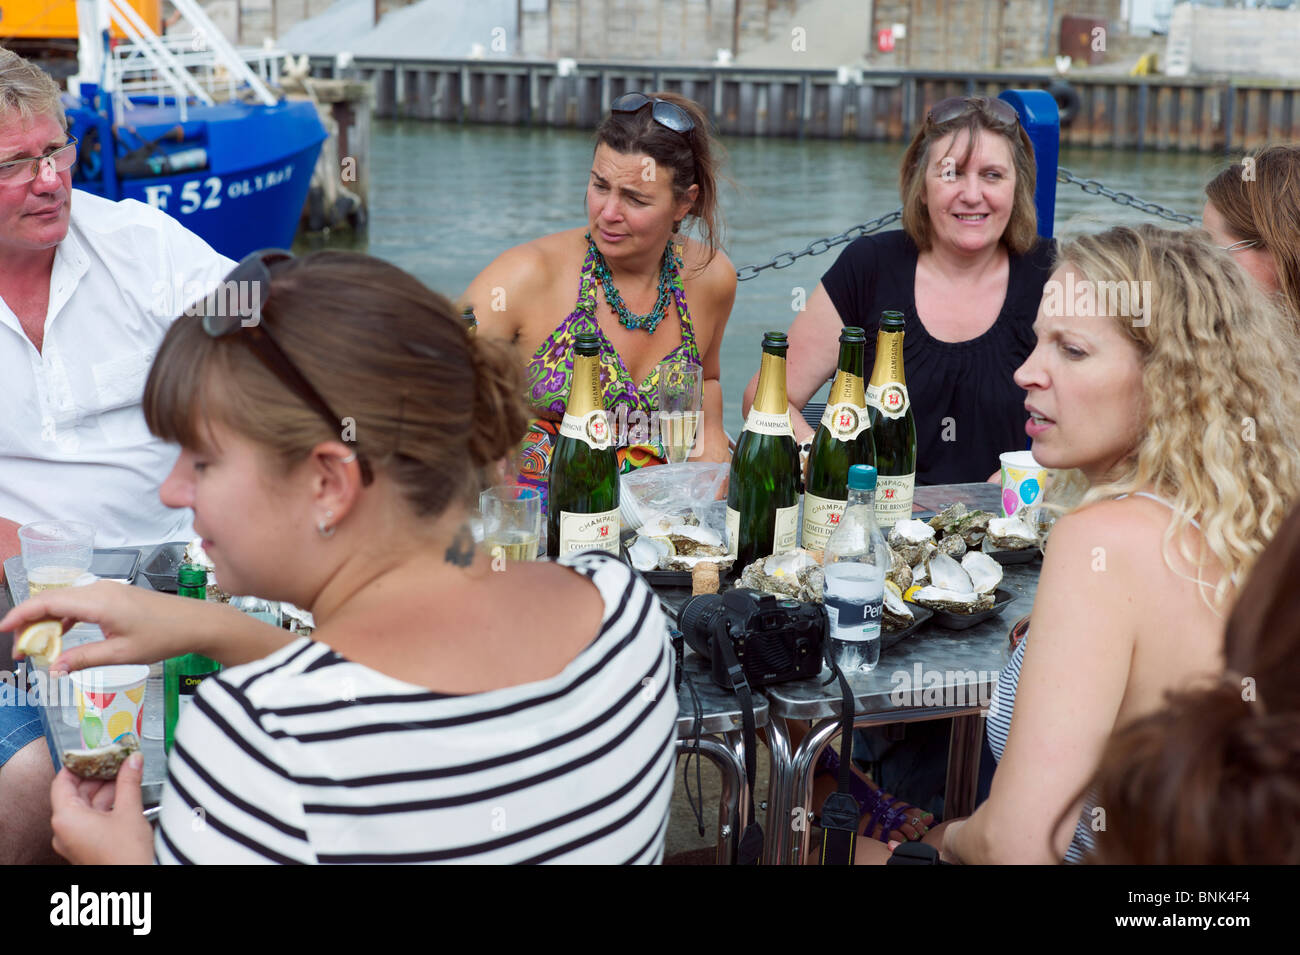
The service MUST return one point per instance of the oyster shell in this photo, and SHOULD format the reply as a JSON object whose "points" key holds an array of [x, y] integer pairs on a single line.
{"points": [[947, 574], [899, 570], [973, 527], [953, 601], [985, 572], [897, 614], [1009, 533], [646, 552], [101, 763], [691, 539], [909, 539], [794, 574], [953, 546], [946, 520], [920, 575]]}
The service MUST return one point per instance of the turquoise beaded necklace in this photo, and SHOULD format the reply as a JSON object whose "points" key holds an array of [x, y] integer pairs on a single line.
{"points": [[626, 317]]}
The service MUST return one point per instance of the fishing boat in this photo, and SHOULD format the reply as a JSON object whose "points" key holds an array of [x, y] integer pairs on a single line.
{"points": [[184, 123]]}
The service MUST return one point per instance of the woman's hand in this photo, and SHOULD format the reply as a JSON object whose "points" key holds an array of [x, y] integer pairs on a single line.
{"points": [[99, 822]]}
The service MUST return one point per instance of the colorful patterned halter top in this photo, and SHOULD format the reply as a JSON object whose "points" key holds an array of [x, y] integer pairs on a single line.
{"points": [[551, 367]]}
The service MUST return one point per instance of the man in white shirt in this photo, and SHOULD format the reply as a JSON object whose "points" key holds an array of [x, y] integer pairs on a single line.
{"points": [[88, 288]]}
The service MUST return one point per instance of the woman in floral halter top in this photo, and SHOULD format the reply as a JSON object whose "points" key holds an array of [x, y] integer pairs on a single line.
{"points": [[652, 169]]}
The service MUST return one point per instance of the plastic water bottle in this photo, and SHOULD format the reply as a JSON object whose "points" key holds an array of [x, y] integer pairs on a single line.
{"points": [[856, 561]]}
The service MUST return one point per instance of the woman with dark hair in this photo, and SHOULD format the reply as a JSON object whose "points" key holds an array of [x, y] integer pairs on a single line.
{"points": [[414, 725], [654, 169], [1252, 210], [1213, 778], [967, 272]]}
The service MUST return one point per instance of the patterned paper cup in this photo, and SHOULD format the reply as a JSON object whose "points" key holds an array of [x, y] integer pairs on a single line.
{"points": [[110, 701], [1022, 481]]}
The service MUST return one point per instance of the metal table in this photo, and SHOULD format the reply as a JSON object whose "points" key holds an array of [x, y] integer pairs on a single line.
{"points": [[59, 736]]}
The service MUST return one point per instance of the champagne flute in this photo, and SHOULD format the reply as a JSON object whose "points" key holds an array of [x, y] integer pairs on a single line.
{"points": [[680, 395], [512, 521]]}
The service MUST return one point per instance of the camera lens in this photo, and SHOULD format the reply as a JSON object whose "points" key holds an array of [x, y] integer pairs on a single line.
{"points": [[695, 619]]}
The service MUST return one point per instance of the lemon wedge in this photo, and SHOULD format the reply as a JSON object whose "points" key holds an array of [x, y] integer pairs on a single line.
{"points": [[42, 642], [911, 591]]}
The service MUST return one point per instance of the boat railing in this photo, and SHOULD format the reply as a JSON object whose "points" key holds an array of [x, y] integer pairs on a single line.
{"points": [[138, 77]]}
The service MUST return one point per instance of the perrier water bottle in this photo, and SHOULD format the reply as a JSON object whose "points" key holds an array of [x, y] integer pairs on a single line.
{"points": [[582, 506], [843, 439], [763, 494], [893, 425], [182, 675]]}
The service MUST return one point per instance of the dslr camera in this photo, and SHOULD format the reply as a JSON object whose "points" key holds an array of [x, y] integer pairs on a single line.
{"points": [[775, 639]]}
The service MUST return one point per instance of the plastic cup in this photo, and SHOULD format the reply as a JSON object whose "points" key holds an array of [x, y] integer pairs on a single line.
{"points": [[110, 702], [512, 521], [55, 553], [1023, 480]]}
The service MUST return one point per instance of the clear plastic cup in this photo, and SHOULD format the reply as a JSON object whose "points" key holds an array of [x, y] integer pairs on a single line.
{"points": [[55, 553]]}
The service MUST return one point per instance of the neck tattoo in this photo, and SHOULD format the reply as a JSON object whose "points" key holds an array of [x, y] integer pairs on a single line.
{"points": [[626, 317], [461, 551]]}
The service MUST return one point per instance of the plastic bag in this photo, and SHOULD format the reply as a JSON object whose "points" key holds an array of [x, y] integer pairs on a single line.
{"points": [[674, 491]]}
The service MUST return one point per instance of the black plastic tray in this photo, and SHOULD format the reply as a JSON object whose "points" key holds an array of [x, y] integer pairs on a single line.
{"points": [[1023, 556], [889, 638], [963, 621], [161, 566]]}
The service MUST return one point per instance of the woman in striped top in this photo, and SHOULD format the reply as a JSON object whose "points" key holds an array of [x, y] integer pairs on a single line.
{"points": [[445, 709], [1174, 404]]}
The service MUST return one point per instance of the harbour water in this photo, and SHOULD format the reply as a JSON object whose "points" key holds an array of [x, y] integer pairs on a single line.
{"points": [[445, 199]]}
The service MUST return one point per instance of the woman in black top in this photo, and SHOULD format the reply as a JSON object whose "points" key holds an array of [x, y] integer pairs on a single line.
{"points": [[967, 272]]}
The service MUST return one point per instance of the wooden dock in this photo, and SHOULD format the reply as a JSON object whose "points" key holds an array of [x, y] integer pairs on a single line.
{"points": [[1192, 114]]}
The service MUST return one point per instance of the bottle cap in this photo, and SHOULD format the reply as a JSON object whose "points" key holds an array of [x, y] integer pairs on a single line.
{"points": [[192, 575], [862, 477]]}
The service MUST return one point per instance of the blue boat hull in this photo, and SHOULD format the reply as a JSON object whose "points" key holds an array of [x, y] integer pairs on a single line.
{"points": [[251, 192]]}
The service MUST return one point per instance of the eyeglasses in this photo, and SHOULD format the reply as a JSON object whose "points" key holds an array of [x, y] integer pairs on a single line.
{"points": [[218, 322], [953, 107], [666, 114], [1239, 246], [21, 171]]}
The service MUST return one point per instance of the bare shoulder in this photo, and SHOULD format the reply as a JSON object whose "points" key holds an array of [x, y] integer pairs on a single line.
{"points": [[523, 284], [1131, 530], [715, 275]]}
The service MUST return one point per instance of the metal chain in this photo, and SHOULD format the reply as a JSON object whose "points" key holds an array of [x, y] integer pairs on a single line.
{"points": [[783, 260], [1095, 188]]}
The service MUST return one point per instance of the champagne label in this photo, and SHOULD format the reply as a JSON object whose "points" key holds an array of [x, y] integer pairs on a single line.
{"points": [[598, 531], [591, 429], [845, 421], [733, 532], [891, 398], [785, 529], [760, 422], [820, 518], [894, 498]]}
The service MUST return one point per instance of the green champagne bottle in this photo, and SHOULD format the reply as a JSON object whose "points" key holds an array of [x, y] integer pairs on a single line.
{"points": [[843, 439], [763, 493], [893, 425], [182, 675], [582, 505]]}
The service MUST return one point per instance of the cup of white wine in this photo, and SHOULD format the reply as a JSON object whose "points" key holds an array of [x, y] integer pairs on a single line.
{"points": [[680, 396], [512, 521], [55, 553]]}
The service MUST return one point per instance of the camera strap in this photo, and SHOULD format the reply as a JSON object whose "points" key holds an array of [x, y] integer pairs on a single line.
{"points": [[750, 849], [840, 813]]}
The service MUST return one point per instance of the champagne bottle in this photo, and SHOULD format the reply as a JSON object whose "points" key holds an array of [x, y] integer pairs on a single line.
{"points": [[843, 439], [893, 425], [182, 675], [582, 509], [763, 494]]}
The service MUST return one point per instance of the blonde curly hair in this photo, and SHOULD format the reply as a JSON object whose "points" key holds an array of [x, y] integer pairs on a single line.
{"points": [[1219, 368]]}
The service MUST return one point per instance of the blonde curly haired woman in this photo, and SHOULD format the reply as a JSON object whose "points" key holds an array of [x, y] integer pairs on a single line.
{"points": [[1174, 404]]}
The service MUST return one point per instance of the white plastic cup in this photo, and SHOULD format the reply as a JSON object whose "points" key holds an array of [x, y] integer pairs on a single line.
{"points": [[110, 701], [1023, 481]]}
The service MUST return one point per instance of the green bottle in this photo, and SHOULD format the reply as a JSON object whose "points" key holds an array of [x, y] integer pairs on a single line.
{"points": [[469, 319], [182, 675], [893, 425], [763, 492], [843, 439], [582, 501]]}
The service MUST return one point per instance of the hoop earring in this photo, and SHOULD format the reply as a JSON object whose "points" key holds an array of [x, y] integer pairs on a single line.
{"points": [[321, 527]]}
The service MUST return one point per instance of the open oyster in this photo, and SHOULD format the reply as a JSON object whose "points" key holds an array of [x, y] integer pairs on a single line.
{"points": [[101, 763], [899, 570], [795, 573], [985, 572], [909, 539], [953, 546], [950, 588], [946, 520], [1009, 533], [973, 527], [897, 614]]}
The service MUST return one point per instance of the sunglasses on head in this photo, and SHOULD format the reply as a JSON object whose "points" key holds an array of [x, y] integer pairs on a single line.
{"points": [[666, 114], [955, 107], [219, 322]]}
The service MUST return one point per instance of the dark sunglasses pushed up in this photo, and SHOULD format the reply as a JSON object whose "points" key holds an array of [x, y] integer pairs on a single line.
{"points": [[666, 114], [954, 107], [221, 321]]}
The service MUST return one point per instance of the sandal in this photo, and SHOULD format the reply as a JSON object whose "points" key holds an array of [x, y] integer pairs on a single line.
{"points": [[884, 809]]}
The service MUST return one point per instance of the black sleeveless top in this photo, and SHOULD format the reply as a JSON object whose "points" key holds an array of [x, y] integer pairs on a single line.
{"points": [[968, 409]]}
